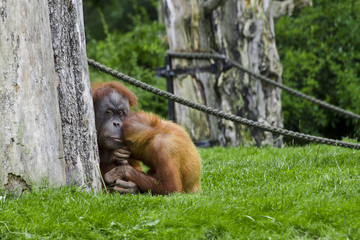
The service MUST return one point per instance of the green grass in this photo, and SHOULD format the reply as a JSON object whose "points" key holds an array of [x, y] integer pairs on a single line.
{"points": [[247, 193]]}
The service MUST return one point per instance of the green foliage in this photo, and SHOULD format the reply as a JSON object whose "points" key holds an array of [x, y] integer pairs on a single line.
{"points": [[117, 14], [135, 53], [247, 193], [320, 53]]}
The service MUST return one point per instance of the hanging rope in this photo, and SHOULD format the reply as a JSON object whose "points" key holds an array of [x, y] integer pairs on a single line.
{"points": [[219, 113], [264, 79]]}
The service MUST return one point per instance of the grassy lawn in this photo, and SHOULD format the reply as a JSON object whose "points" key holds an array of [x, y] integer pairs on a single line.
{"points": [[247, 193]]}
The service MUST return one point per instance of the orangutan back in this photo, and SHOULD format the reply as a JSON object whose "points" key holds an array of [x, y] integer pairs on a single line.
{"points": [[166, 149]]}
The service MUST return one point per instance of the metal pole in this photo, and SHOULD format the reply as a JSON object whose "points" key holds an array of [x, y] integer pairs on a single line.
{"points": [[170, 88]]}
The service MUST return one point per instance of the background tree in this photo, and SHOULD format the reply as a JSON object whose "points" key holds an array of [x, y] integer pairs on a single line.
{"points": [[318, 48], [243, 31], [43, 75]]}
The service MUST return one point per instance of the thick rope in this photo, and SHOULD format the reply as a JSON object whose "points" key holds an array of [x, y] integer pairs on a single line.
{"points": [[218, 113], [264, 79]]}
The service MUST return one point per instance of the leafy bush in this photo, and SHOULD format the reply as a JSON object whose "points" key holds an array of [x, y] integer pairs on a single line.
{"points": [[320, 52], [135, 53], [117, 14]]}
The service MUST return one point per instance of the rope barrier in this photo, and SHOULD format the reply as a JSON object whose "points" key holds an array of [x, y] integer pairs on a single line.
{"points": [[219, 113], [264, 79]]}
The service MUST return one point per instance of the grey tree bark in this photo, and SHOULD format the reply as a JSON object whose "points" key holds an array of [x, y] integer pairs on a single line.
{"points": [[47, 130], [76, 108], [243, 31]]}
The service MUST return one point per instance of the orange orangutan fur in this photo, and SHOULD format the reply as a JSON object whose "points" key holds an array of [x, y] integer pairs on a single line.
{"points": [[166, 149], [99, 90]]}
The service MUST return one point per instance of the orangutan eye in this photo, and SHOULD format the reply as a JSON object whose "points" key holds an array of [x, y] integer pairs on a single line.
{"points": [[121, 112], [109, 113]]}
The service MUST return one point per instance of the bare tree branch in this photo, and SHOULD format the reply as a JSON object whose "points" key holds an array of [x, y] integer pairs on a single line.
{"points": [[211, 5], [281, 8]]}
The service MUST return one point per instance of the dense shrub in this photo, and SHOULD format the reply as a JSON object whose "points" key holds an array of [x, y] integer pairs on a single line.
{"points": [[320, 52], [135, 53], [117, 14]]}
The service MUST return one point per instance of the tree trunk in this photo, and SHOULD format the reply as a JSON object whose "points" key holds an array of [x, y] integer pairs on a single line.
{"points": [[76, 107], [242, 31], [34, 139]]}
